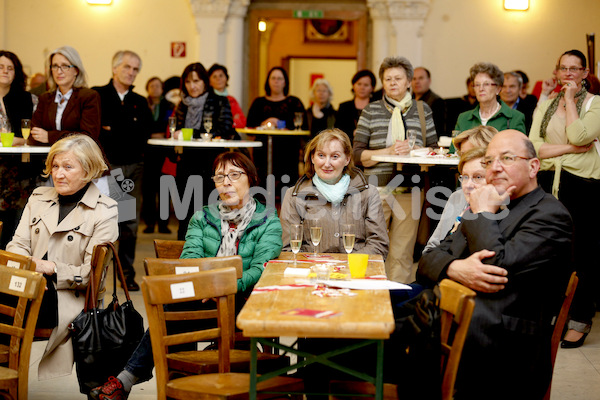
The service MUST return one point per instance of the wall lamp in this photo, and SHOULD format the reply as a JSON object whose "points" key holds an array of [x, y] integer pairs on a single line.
{"points": [[262, 25], [516, 5], [99, 2]]}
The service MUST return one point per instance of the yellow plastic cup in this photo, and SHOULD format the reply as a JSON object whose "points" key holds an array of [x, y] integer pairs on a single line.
{"points": [[7, 138], [358, 265], [187, 133]]}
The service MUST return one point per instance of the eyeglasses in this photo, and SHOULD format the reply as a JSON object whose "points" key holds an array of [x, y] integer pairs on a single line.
{"points": [[484, 85], [570, 69], [505, 160], [477, 179], [63, 68], [233, 176]]}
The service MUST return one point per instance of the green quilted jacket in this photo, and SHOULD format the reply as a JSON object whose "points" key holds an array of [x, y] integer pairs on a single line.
{"points": [[260, 242]]}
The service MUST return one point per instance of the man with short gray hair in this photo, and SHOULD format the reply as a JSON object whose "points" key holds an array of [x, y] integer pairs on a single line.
{"points": [[510, 94], [126, 120]]}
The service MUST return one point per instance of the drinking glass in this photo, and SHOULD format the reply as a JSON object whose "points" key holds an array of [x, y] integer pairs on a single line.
{"points": [[412, 139], [316, 232], [296, 232], [172, 126], [208, 123], [25, 129], [348, 236], [298, 117]]}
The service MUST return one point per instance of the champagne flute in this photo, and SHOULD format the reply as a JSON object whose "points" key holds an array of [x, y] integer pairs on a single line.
{"points": [[298, 117], [296, 232], [348, 237], [25, 129], [172, 126], [208, 123], [412, 140], [316, 232]]}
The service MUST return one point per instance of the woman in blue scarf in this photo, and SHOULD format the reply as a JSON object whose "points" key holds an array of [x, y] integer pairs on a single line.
{"points": [[334, 192]]}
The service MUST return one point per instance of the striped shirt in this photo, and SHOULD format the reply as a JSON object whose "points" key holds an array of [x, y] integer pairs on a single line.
{"points": [[372, 131]]}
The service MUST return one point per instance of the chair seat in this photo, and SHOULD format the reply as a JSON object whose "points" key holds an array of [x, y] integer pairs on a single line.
{"points": [[231, 386], [207, 361], [8, 377]]}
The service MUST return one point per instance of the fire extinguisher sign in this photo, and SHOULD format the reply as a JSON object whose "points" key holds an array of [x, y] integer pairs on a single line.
{"points": [[178, 49]]}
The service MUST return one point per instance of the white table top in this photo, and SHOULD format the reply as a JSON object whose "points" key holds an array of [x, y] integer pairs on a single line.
{"points": [[274, 132], [428, 160], [25, 150], [199, 143]]}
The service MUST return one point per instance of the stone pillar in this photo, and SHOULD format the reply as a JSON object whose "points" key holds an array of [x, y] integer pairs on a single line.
{"points": [[407, 19], [234, 46], [397, 29], [380, 41], [210, 18]]}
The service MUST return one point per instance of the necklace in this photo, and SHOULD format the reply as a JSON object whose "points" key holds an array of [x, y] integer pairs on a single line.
{"points": [[491, 114]]}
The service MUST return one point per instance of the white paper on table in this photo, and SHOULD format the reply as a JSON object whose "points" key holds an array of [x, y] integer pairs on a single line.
{"points": [[291, 271], [419, 152], [367, 284]]}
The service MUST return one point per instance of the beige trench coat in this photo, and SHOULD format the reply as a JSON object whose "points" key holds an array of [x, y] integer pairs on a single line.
{"points": [[70, 245]]}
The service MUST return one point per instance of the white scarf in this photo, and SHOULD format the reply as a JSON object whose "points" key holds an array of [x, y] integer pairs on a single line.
{"points": [[240, 218], [334, 193], [396, 126]]}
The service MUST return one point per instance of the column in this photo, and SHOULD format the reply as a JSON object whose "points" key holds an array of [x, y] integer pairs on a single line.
{"points": [[380, 43], [407, 20], [210, 18], [234, 46]]}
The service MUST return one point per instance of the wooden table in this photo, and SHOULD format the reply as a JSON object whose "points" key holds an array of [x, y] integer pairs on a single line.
{"points": [[25, 151], [366, 316], [270, 133], [180, 144]]}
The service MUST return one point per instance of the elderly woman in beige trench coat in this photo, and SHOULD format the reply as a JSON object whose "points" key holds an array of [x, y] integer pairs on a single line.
{"points": [[59, 228]]}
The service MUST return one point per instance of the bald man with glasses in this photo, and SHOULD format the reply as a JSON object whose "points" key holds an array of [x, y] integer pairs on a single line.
{"points": [[513, 247]]}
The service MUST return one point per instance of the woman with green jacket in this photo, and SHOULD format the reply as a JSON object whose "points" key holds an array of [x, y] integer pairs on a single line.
{"points": [[236, 224]]}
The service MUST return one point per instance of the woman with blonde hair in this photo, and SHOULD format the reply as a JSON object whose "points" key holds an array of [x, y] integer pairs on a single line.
{"points": [[321, 114], [59, 228], [334, 192], [70, 106]]}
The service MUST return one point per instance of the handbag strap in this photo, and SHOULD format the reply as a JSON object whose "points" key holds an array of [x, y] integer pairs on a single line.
{"points": [[421, 111]]}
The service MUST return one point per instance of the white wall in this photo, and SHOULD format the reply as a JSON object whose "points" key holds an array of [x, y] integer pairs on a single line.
{"points": [[459, 33], [33, 28]]}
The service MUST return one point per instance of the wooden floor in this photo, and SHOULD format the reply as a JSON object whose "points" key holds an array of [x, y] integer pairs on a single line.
{"points": [[576, 375]]}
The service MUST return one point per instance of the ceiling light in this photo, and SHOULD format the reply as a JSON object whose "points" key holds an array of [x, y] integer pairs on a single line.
{"points": [[516, 5]]}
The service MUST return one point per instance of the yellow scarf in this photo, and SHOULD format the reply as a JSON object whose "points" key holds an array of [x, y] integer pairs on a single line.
{"points": [[396, 126]]}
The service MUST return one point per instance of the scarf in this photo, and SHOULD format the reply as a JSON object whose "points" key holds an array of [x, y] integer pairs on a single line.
{"points": [[580, 96], [193, 117], [223, 93], [333, 193], [233, 224], [396, 126]]}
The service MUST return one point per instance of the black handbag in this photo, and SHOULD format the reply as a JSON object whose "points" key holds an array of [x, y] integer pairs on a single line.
{"points": [[104, 339]]}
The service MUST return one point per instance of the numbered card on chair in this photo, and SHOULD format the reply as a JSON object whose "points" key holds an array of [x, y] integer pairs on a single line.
{"points": [[13, 264], [17, 283], [182, 290], [186, 270]]}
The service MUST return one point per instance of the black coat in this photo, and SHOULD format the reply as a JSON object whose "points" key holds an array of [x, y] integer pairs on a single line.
{"points": [[125, 125], [508, 344]]}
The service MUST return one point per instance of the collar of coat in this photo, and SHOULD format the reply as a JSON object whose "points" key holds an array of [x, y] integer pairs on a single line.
{"points": [[304, 184]]}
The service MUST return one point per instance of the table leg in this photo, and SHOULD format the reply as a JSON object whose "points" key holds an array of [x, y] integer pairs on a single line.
{"points": [[253, 366], [379, 372], [269, 155], [25, 157]]}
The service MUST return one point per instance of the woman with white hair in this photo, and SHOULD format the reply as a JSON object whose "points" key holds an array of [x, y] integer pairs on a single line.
{"points": [[70, 106], [321, 114]]}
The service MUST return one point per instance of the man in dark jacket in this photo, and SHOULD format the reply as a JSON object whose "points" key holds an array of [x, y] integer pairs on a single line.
{"points": [[421, 83], [126, 121], [517, 258]]}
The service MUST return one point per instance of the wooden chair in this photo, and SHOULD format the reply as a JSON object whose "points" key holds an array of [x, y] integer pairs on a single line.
{"points": [[27, 287], [456, 304], [560, 322], [168, 248], [220, 284], [101, 257], [206, 361]]}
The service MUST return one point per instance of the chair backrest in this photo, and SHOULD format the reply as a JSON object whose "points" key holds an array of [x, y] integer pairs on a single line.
{"points": [[15, 260], [457, 304], [220, 284], [166, 266], [168, 248], [559, 323], [28, 288]]}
